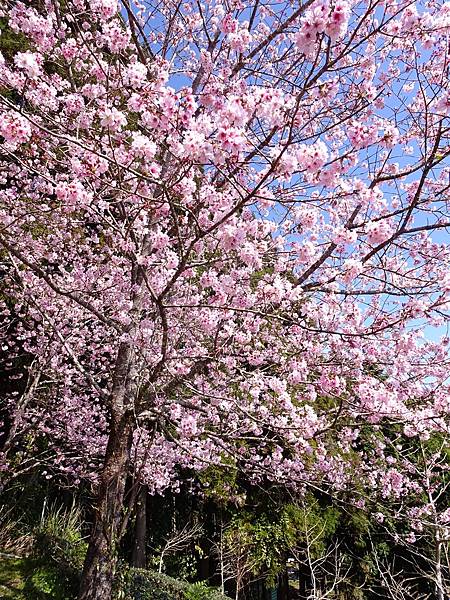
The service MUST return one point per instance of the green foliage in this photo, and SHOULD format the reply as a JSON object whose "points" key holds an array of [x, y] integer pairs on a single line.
{"points": [[310, 523], [11, 41], [220, 483], [42, 549], [52, 571], [183, 565], [140, 584], [12, 578], [44, 581], [199, 591], [257, 276], [30, 579], [59, 538], [50, 582], [267, 538], [261, 541]]}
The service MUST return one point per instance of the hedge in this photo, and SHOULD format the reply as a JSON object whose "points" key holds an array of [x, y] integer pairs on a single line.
{"points": [[141, 584]]}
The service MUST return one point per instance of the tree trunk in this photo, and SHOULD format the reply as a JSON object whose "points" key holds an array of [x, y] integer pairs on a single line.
{"points": [[283, 585], [139, 557], [100, 563], [304, 580], [99, 566], [204, 564], [439, 578]]}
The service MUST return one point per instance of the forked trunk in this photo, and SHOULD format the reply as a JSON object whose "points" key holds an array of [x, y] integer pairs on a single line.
{"points": [[100, 563]]}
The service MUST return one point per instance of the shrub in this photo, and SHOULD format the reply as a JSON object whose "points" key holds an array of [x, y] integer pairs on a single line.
{"points": [[58, 537], [199, 591], [58, 554], [140, 584], [50, 582]]}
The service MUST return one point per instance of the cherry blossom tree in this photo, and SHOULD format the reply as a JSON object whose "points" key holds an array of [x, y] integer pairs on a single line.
{"points": [[220, 222]]}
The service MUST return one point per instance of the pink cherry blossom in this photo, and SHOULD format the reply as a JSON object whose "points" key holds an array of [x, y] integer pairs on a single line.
{"points": [[15, 128]]}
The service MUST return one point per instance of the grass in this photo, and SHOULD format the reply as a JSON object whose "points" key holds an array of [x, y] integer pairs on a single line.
{"points": [[49, 568], [13, 574], [30, 579]]}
